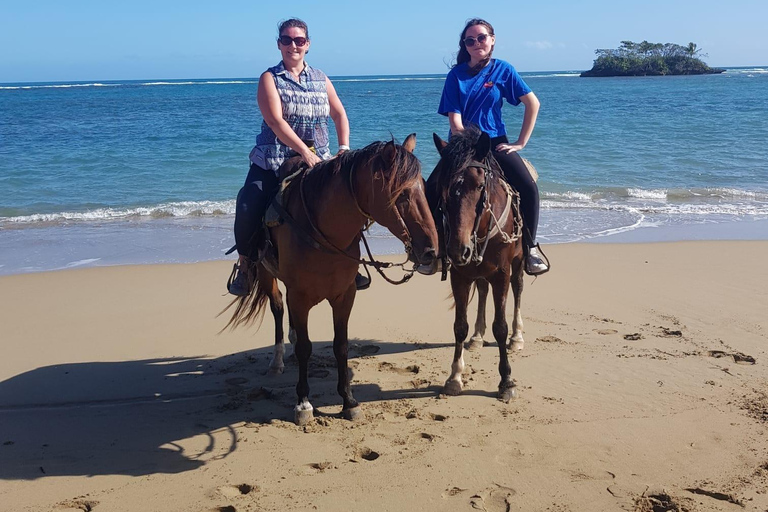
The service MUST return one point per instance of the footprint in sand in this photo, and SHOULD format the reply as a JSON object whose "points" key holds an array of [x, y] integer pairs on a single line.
{"points": [[412, 369], [493, 499], [365, 350], [606, 332], [234, 491], [365, 453], [321, 466], [77, 504], [633, 336], [550, 339], [738, 357]]}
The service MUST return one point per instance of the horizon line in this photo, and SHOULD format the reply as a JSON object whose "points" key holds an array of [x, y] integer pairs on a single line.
{"points": [[330, 76]]}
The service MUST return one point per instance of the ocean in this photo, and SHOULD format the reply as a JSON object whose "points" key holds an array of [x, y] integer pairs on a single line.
{"points": [[146, 171]]}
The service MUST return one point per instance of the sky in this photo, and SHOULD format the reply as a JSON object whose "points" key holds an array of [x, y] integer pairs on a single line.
{"points": [[78, 40]]}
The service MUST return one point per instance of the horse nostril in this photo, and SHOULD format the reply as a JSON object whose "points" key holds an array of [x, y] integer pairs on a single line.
{"points": [[429, 256], [466, 253]]}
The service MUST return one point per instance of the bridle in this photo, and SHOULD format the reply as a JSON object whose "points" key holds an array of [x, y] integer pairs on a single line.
{"points": [[319, 241], [483, 206]]}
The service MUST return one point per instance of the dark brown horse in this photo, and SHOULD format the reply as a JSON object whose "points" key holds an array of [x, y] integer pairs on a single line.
{"points": [[480, 230], [318, 250]]}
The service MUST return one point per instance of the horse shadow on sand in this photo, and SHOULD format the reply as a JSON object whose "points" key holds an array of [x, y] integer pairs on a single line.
{"points": [[162, 415]]}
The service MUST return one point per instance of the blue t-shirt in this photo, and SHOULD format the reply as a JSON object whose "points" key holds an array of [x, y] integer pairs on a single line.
{"points": [[479, 98]]}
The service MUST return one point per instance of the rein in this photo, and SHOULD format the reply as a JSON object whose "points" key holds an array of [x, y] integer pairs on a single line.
{"points": [[495, 224]]}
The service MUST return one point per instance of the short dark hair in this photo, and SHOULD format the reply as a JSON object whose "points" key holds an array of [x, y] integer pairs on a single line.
{"points": [[292, 23]]}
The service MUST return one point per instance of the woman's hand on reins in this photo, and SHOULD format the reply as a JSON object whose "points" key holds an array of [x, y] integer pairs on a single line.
{"points": [[310, 158]]}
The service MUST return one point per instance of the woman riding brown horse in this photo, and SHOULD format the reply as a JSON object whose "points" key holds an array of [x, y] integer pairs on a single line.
{"points": [[318, 251], [481, 232]]}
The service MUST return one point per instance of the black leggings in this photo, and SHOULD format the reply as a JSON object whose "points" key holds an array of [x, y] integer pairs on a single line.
{"points": [[252, 201], [520, 178]]}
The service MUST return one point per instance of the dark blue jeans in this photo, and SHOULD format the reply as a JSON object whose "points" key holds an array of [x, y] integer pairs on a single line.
{"points": [[252, 202]]}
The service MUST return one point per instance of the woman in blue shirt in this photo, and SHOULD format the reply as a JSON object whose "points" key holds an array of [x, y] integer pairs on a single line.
{"points": [[474, 92]]}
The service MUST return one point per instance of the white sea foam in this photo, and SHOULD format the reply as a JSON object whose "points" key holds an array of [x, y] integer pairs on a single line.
{"points": [[209, 82], [748, 71], [646, 194], [547, 75], [57, 86], [180, 209], [393, 79], [570, 195]]}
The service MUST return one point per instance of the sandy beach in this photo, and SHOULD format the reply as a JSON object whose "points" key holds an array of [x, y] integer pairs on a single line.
{"points": [[641, 387]]}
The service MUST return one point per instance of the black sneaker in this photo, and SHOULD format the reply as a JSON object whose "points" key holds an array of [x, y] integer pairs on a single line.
{"points": [[362, 282], [240, 285]]}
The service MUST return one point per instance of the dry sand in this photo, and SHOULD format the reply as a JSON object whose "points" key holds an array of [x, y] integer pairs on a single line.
{"points": [[642, 386]]}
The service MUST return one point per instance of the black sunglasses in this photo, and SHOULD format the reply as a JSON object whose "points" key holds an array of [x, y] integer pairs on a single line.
{"points": [[287, 40], [470, 41]]}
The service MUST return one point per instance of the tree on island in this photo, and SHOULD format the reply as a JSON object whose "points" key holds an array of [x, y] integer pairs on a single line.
{"points": [[650, 59]]}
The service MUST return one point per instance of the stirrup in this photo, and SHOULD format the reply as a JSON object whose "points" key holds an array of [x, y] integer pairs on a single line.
{"points": [[543, 258], [239, 283], [362, 282]]}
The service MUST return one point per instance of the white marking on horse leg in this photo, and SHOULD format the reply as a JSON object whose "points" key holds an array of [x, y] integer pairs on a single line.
{"points": [[454, 385], [303, 413], [276, 367], [477, 337], [292, 335], [516, 341]]}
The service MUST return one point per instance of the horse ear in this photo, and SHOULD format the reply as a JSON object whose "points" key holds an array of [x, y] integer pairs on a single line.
{"points": [[439, 143], [389, 152], [410, 143], [483, 146]]}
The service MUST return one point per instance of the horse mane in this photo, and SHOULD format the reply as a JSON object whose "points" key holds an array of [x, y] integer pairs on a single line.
{"points": [[457, 155], [404, 170]]}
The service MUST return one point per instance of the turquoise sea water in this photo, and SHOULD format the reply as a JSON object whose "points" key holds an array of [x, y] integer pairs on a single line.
{"points": [[147, 171]]}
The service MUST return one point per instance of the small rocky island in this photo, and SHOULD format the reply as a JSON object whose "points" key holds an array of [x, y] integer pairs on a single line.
{"points": [[650, 59]]}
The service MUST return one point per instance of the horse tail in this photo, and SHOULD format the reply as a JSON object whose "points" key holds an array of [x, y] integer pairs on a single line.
{"points": [[249, 309]]}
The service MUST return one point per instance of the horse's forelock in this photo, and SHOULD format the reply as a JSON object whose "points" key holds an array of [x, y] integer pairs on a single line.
{"points": [[457, 155]]}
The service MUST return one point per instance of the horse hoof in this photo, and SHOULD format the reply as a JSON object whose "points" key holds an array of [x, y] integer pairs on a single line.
{"points": [[274, 371], [516, 345], [353, 413], [303, 416], [475, 343], [507, 394], [452, 388]]}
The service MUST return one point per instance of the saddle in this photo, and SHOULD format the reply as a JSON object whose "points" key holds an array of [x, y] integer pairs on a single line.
{"points": [[289, 173]]}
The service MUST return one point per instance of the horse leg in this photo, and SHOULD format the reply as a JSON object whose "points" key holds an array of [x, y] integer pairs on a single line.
{"points": [[299, 312], [342, 307], [516, 342], [500, 285], [461, 287], [269, 283], [476, 341], [291, 330]]}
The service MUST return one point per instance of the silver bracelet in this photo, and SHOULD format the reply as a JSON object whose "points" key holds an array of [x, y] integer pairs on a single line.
{"points": [[343, 147]]}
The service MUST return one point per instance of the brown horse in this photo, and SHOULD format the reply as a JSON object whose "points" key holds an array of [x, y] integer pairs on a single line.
{"points": [[318, 252], [481, 235]]}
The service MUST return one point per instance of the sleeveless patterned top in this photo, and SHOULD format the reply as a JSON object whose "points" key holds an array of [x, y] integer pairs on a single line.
{"points": [[305, 109]]}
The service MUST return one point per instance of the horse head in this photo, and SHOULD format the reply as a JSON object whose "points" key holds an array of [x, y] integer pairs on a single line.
{"points": [[393, 196], [466, 169]]}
